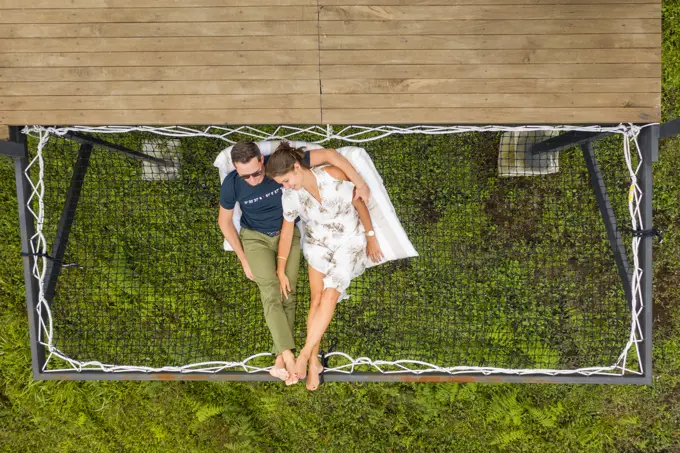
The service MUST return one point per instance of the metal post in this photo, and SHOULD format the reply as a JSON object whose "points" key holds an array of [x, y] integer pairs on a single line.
{"points": [[670, 129], [90, 140], [609, 218], [11, 149], [649, 147], [27, 231], [568, 140], [66, 220]]}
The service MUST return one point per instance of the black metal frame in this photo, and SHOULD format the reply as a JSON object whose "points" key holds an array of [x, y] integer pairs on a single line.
{"points": [[567, 140], [615, 242], [85, 139], [27, 231], [670, 129], [648, 142], [54, 264]]}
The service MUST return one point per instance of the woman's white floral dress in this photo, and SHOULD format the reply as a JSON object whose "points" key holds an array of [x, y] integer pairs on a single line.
{"points": [[335, 241]]}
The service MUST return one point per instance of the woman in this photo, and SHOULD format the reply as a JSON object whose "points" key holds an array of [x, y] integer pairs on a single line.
{"points": [[339, 238]]}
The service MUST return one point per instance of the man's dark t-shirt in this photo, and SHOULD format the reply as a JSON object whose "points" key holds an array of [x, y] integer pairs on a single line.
{"points": [[260, 205]]}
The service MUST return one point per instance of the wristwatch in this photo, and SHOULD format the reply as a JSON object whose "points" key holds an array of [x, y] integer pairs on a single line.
{"points": [[370, 233]]}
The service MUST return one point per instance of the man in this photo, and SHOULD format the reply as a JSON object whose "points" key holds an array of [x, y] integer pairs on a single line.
{"points": [[262, 217]]}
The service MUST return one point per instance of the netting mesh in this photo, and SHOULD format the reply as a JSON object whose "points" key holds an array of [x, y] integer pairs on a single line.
{"points": [[514, 272]]}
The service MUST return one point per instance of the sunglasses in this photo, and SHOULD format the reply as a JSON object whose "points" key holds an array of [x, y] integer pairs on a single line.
{"points": [[252, 175]]}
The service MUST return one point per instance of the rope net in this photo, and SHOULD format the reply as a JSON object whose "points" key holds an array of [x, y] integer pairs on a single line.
{"points": [[515, 273]]}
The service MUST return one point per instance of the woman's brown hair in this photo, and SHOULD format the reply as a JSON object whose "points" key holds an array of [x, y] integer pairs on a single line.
{"points": [[283, 160]]}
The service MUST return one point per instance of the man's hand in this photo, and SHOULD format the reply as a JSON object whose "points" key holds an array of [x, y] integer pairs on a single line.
{"points": [[362, 192], [246, 269]]}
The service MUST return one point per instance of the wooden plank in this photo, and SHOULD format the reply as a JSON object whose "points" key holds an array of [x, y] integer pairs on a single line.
{"points": [[171, 117], [490, 100], [444, 86], [490, 27], [497, 12], [510, 71], [478, 57], [159, 73], [80, 4], [440, 42], [167, 44], [4, 132], [489, 116], [120, 59], [161, 102], [268, 87], [256, 28], [464, 2], [147, 15], [43, 4]]}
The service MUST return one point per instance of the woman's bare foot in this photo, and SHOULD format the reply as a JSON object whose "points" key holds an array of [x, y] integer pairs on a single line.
{"points": [[288, 358], [315, 369], [278, 370], [301, 364]]}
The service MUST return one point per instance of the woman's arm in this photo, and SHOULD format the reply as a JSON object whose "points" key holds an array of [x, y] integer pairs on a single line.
{"points": [[372, 246], [285, 241], [331, 156]]}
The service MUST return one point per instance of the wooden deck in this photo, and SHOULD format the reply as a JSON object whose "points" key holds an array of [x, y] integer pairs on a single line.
{"points": [[329, 61]]}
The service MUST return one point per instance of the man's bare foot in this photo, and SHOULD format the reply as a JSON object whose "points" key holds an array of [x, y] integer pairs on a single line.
{"points": [[278, 370], [288, 358], [301, 364], [315, 369]]}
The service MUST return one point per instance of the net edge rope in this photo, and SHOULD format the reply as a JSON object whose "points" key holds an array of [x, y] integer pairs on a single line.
{"points": [[38, 242]]}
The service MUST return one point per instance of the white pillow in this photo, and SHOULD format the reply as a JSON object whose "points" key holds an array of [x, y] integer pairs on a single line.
{"points": [[388, 230]]}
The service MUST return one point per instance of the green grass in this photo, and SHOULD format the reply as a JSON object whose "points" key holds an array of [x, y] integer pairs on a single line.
{"points": [[211, 417]]}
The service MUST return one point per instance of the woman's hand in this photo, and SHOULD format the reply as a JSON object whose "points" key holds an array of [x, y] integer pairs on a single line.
{"points": [[285, 284], [373, 249]]}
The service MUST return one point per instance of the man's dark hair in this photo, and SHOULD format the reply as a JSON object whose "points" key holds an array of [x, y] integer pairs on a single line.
{"points": [[243, 152]]}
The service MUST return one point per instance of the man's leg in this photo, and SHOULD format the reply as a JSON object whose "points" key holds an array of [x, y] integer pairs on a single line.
{"points": [[292, 271], [261, 252]]}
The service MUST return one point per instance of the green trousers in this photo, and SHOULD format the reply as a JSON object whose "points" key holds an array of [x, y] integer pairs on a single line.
{"points": [[279, 313]]}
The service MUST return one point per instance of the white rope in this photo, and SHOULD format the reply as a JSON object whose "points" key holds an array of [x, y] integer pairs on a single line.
{"points": [[350, 134]]}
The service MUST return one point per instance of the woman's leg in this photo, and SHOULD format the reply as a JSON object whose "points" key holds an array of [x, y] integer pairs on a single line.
{"points": [[316, 288], [347, 262], [316, 327]]}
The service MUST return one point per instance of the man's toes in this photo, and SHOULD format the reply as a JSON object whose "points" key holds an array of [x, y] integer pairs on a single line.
{"points": [[280, 373]]}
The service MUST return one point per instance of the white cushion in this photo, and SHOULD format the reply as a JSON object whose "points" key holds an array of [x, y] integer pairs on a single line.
{"points": [[388, 230]]}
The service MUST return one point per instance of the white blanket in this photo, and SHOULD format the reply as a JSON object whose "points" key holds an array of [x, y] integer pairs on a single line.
{"points": [[388, 230]]}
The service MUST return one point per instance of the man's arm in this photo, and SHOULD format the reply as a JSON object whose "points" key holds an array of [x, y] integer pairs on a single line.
{"points": [[331, 156], [224, 220]]}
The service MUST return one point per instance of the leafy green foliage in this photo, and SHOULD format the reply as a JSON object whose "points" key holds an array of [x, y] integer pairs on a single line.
{"points": [[210, 417]]}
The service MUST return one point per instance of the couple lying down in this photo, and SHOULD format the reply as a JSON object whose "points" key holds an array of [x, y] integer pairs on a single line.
{"points": [[322, 190]]}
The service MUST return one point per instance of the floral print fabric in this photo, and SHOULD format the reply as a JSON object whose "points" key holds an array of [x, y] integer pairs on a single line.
{"points": [[335, 241]]}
